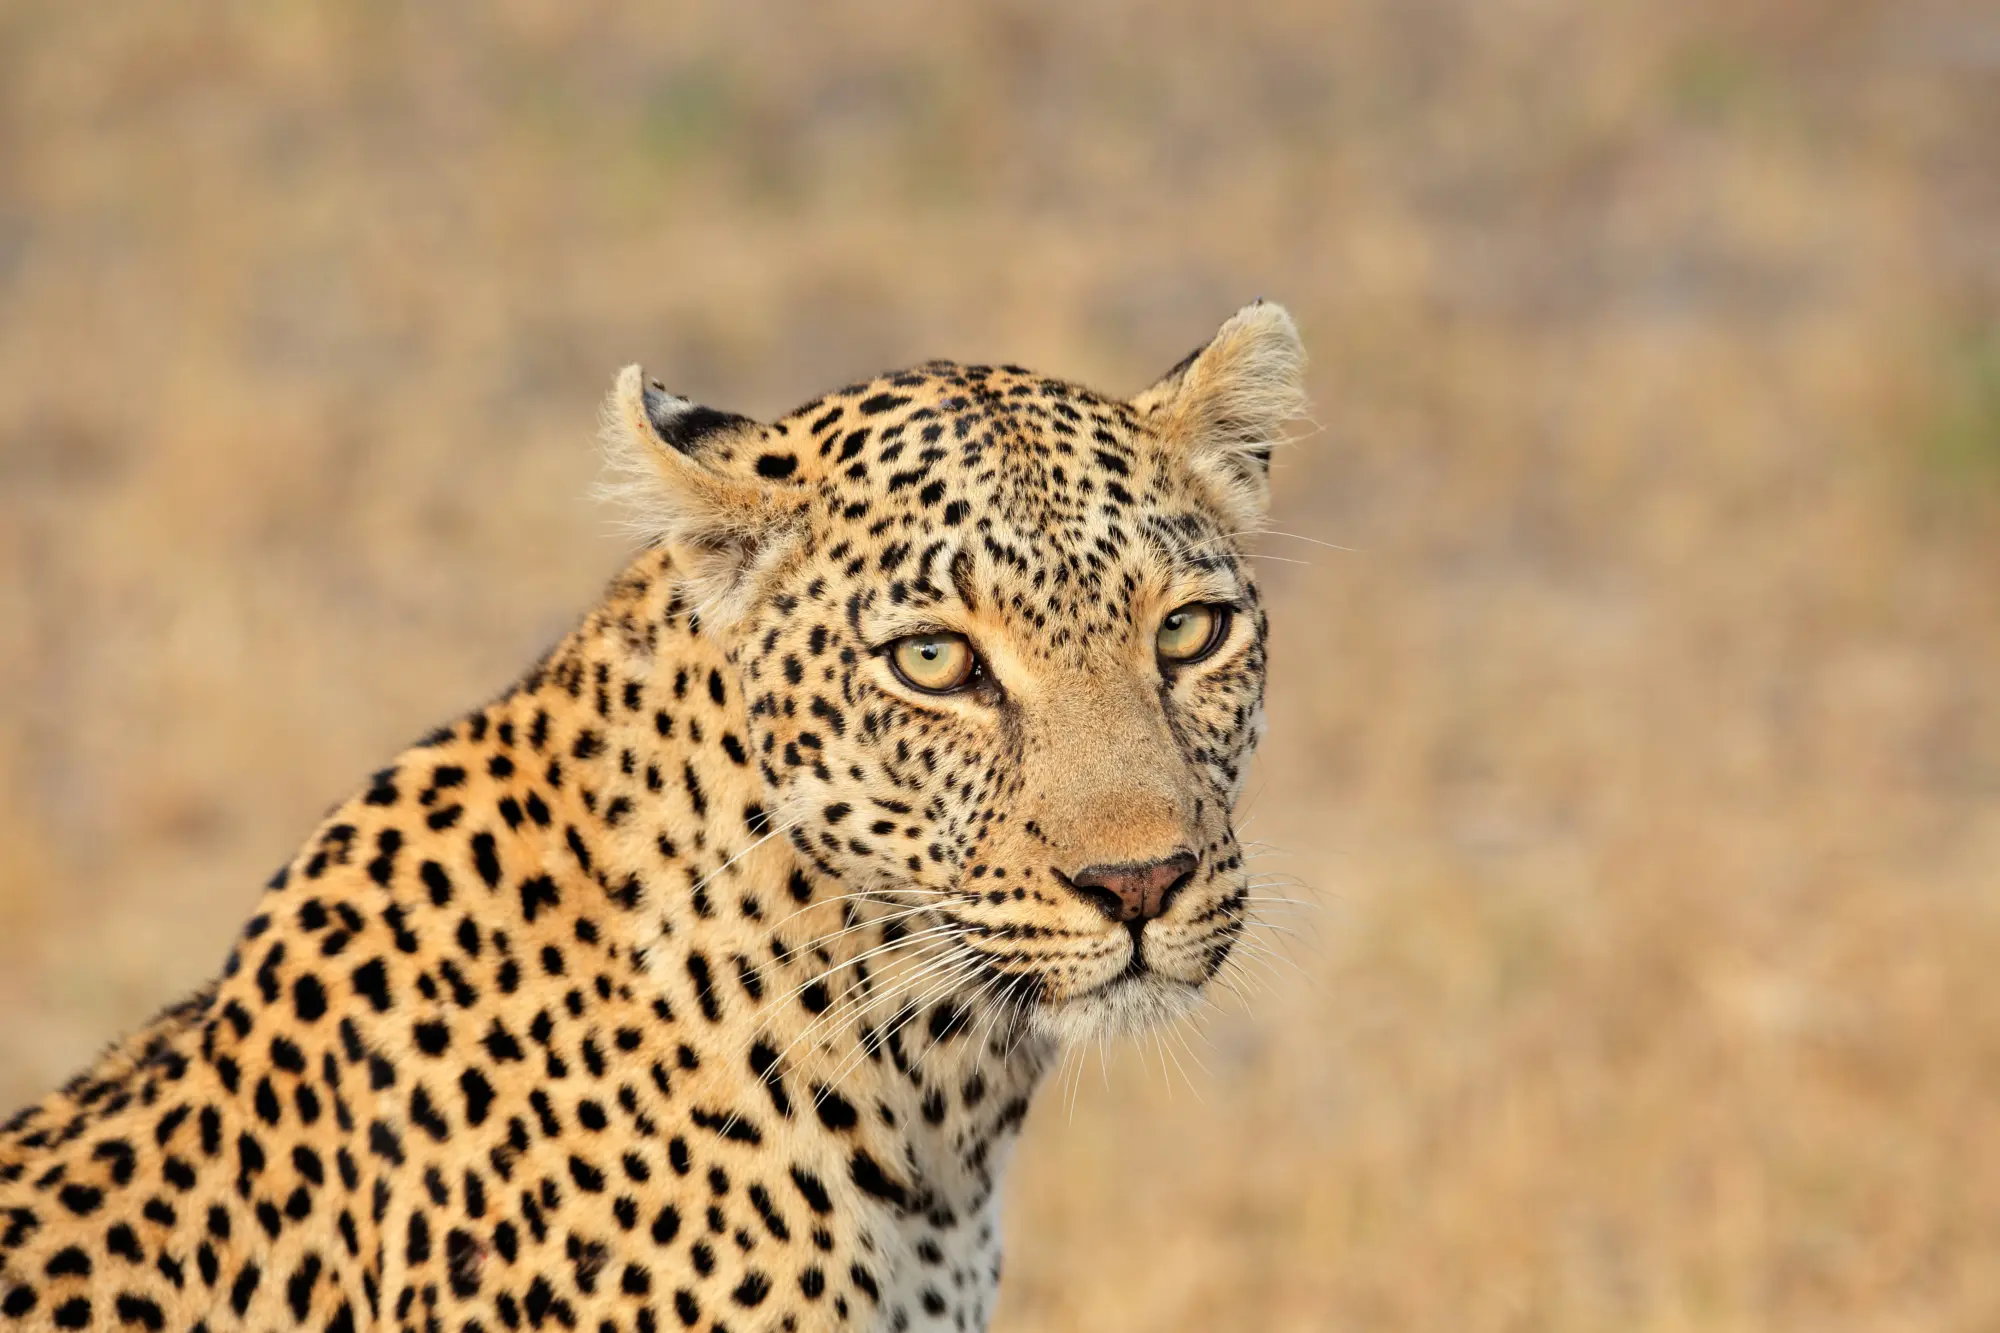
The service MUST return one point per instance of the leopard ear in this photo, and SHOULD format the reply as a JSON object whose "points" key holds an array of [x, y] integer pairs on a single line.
{"points": [[1224, 406], [683, 476]]}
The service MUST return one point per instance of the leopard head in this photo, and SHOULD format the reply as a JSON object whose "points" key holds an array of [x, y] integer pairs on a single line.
{"points": [[1003, 652]]}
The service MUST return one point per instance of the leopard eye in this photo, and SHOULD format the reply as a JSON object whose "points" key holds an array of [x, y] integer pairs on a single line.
{"points": [[934, 663], [1190, 633]]}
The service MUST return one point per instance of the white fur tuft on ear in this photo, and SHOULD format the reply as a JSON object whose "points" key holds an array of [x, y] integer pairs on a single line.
{"points": [[667, 467], [1225, 406]]}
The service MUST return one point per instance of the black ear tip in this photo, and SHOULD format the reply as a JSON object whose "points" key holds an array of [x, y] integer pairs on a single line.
{"points": [[687, 425], [664, 410]]}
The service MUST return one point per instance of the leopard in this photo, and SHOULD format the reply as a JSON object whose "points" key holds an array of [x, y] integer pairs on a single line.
{"points": [[704, 978]]}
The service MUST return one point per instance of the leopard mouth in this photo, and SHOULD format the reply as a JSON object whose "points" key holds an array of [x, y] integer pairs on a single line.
{"points": [[1134, 1000]]}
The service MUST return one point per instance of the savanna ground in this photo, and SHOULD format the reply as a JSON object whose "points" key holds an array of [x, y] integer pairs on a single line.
{"points": [[1641, 760]]}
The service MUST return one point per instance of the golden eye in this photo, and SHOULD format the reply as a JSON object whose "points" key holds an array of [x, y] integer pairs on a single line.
{"points": [[1190, 633], [934, 663]]}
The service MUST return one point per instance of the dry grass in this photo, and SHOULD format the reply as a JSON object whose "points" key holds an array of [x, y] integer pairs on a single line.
{"points": [[1643, 761]]}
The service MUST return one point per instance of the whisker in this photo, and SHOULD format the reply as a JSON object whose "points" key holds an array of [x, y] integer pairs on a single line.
{"points": [[835, 1012], [710, 877]]}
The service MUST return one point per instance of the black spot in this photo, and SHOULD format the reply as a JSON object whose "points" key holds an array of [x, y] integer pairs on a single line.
{"points": [[500, 1043], [418, 1246], [812, 1191], [879, 403], [382, 1141], [371, 979], [424, 1114], [777, 466], [69, 1262], [541, 1296], [244, 1288], [387, 843], [835, 1111], [463, 1257], [478, 1095], [868, 1174], [535, 893], [588, 1178], [752, 1290], [122, 1241], [436, 881], [731, 1125], [299, 1287], [123, 1160], [308, 998], [83, 1200], [947, 1021], [764, 1064], [431, 1038], [760, 1199], [704, 987], [486, 859]]}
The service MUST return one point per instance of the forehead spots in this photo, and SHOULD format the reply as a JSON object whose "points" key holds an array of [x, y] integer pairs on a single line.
{"points": [[994, 488]]}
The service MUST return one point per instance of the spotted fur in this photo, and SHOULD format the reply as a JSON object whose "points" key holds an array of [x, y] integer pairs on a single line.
{"points": [[703, 980]]}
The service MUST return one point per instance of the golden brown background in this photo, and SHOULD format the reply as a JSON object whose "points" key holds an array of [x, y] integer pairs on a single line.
{"points": [[1642, 760]]}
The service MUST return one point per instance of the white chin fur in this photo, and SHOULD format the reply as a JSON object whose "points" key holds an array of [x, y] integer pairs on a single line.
{"points": [[1127, 1009]]}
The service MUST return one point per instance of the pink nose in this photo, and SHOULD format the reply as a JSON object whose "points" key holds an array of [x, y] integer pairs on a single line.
{"points": [[1131, 893]]}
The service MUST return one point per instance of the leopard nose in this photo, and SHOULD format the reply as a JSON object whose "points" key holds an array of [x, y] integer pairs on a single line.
{"points": [[1134, 892]]}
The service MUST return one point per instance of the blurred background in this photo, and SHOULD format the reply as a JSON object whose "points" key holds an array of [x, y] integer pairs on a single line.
{"points": [[1640, 763]]}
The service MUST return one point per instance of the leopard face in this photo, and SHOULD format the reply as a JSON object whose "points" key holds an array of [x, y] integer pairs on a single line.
{"points": [[1003, 654]]}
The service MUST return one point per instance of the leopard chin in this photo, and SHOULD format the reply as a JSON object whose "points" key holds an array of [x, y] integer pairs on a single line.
{"points": [[1127, 1006]]}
